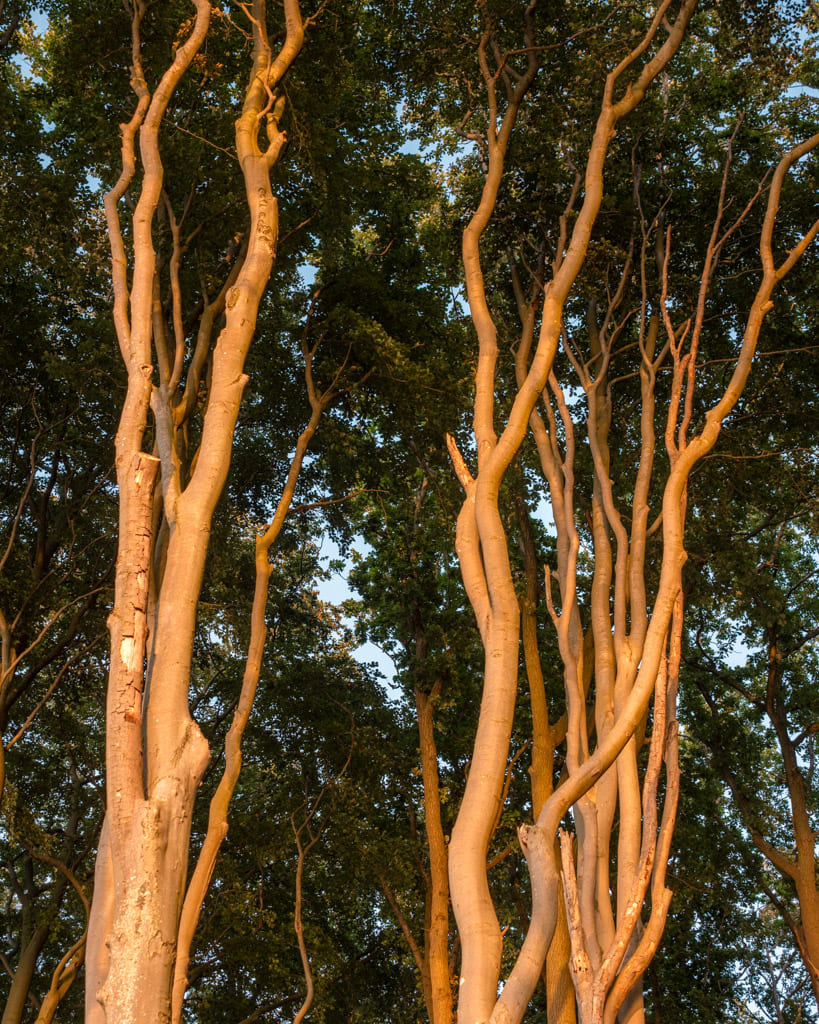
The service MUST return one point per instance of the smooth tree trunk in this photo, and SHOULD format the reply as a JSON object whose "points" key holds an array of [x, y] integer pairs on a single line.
{"points": [[631, 647], [482, 550], [546, 738], [438, 988]]}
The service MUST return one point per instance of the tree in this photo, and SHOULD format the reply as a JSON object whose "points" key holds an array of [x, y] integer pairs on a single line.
{"points": [[155, 756], [632, 640], [57, 525], [763, 712], [615, 335]]}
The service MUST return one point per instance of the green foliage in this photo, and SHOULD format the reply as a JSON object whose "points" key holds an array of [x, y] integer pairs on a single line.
{"points": [[383, 168]]}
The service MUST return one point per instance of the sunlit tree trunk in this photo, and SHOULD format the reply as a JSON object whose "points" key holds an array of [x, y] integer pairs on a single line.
{"points": [[436, 929], [546, 738], [155, 751], [631, 647]]}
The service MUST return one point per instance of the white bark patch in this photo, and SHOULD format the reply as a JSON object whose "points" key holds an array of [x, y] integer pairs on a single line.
{"points": [[126, 652]]}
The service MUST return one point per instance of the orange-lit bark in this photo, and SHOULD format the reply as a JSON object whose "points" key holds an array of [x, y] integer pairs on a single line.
{"points": [[546, 738], [630, 647], [436, 930], [220, 802], [155, 751]]}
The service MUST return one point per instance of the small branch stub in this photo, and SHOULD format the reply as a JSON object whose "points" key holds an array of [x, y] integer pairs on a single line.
{"points": [[459, 463]]}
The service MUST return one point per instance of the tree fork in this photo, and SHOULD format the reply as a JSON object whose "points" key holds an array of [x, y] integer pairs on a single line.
{"points": [[155, 751]]}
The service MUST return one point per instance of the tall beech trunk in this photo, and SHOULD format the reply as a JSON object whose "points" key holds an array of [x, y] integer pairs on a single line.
{"points": [[438, 989], [546, 738], [155, 751], [626, 648], [432, 958]]}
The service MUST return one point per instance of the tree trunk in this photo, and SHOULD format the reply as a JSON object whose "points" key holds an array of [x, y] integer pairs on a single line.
{"points": [[23, 976], [436, 946], [155, 751]]}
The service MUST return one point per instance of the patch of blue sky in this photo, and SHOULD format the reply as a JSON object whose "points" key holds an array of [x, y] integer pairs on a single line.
{"points": [[335, 589]]}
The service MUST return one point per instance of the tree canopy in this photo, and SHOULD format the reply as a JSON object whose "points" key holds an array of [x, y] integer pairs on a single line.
{"points": [[481, 334]]}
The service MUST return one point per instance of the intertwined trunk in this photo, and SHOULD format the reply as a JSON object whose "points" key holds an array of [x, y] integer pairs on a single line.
{"points": [[626, 649], [482, 550], [155, 751]]}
